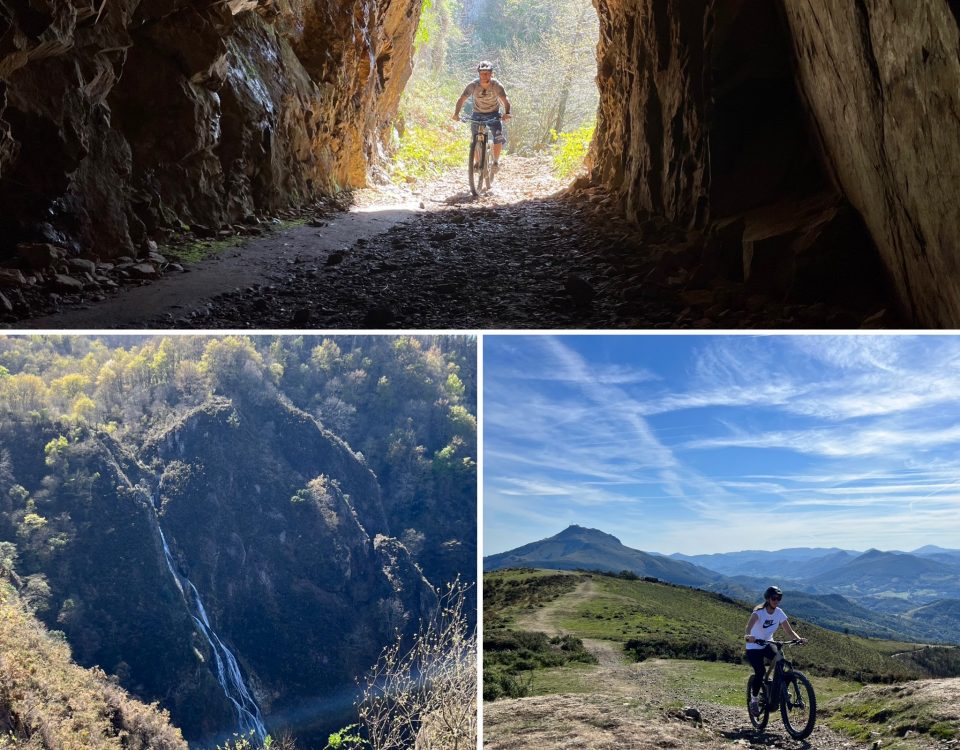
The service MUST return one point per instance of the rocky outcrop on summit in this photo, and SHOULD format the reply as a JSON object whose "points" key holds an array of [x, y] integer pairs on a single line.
{"points": [[812, 140], [120, 118]]}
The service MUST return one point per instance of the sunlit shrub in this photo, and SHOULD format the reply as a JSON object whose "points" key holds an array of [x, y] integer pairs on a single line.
{"points": [[570, 150]]}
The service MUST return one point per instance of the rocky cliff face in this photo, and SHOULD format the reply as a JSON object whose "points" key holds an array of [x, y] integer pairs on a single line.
{"points": [[808, 138], [282, 530], [119, 118], [883, 83]]}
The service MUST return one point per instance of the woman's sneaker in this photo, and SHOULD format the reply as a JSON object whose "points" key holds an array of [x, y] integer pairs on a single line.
{"points": [[754, 706]]}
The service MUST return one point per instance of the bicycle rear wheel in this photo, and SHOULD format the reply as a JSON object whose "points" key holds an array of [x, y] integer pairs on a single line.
{"points": [[759, 720], [475, 165], [798, 706]]}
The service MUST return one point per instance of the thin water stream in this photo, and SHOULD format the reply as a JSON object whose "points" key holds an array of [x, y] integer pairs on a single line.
{"points": [[227, 671]]}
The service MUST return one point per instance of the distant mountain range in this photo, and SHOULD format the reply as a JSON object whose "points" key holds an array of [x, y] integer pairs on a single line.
{"points": [[799, 563], [882, 594]]}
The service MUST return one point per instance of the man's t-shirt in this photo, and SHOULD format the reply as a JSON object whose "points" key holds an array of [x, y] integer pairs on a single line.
{"points": [[766, 625], [485, 100]]}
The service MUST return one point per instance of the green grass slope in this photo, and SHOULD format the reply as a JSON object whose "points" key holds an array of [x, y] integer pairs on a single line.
{"points": [[47, 701], [655, 619]]}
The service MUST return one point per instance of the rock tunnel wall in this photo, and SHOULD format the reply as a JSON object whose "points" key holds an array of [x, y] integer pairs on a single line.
{"points": [[810, 134], [883, 82], [119, 117]]}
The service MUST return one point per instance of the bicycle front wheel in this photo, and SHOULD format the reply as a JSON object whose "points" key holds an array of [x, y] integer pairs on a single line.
{"points": [[760, 719], [489, 169], [475, 165], [798, 706]]}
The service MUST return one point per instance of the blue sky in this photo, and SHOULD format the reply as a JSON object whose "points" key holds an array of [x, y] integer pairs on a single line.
{"points": [[700, 444]]}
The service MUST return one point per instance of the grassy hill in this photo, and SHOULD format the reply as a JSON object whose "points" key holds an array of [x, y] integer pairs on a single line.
{"points": [[48, 702], [652, 619], [690, 645]]}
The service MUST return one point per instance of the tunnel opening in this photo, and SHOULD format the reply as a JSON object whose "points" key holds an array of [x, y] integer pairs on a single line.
{"points": [[544, 57], [123, 123]]}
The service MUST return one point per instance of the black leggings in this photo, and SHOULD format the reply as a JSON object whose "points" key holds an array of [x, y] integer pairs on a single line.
{"points": [[756, 657]]}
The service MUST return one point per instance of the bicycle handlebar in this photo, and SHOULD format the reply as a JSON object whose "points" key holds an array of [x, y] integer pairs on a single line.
{"points": [[470, 118], [781, 644]]}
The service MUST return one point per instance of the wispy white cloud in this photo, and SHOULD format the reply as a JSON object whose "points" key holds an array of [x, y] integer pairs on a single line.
{"points": [[738, 441], [836, 443]]}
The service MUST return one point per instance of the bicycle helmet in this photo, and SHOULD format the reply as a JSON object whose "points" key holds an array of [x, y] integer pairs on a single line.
{"points": [[771, 590], [485, 65]]}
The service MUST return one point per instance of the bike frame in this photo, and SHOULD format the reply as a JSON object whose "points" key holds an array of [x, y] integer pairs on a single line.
{"points": [[481, 139], [774, 675], [482, 136]]}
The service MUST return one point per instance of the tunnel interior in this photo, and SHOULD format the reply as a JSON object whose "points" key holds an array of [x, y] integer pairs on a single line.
{"points": [[125, 120]]}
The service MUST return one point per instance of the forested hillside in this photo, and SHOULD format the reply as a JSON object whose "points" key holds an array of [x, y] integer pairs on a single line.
{"points": [[271, 506], [545, 56]]}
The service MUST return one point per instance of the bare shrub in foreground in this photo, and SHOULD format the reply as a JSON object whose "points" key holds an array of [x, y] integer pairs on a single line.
{"points": [[425, 697]]}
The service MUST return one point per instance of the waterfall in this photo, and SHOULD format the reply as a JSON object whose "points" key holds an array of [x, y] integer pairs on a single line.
{"points": [[228, 671]]}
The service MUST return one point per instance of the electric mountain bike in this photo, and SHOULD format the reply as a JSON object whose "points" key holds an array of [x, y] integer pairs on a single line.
{"points": [[787, 688], [480, 163]]}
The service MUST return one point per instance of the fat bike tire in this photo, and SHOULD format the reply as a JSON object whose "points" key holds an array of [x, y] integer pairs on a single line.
{"points": [[799, 706]]}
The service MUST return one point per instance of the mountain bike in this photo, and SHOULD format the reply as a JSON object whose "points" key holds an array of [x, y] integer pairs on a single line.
{"points": [[785, 687], [480, 163]]}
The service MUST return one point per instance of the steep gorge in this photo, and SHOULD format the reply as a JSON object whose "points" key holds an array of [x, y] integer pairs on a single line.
{"points": [[813, 144], [275, 522]]}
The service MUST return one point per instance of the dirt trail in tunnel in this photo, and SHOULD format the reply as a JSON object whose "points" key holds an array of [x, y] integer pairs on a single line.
{"points": [[436, 257], [628, 705]]}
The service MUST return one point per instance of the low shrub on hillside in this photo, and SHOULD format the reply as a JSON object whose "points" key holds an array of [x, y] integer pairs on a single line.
{"points": [[47, 701], [682, 649], [429, 142], [502, 594], [570, 150], [936, 661], [507, 654]]}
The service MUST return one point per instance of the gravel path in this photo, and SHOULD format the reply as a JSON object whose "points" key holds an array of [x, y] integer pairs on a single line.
{"points": [[523, 256]]}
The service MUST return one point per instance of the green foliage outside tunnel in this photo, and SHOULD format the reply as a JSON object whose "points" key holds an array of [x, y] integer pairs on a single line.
{"points": [[545, 56]]}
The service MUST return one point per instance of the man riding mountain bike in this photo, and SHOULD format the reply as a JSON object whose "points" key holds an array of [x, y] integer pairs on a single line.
{"points": [[763, 623], [488, 94]]}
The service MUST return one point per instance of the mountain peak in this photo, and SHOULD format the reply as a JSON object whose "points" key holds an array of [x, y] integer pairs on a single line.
{"points": [[573, 531]]}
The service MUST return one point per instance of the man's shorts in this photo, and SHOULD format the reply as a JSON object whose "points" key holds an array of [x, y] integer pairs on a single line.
{"points": [[492, 121]]}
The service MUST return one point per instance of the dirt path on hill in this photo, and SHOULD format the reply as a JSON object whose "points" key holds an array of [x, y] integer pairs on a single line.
{"points": [[433, 256], [629, 706]]}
